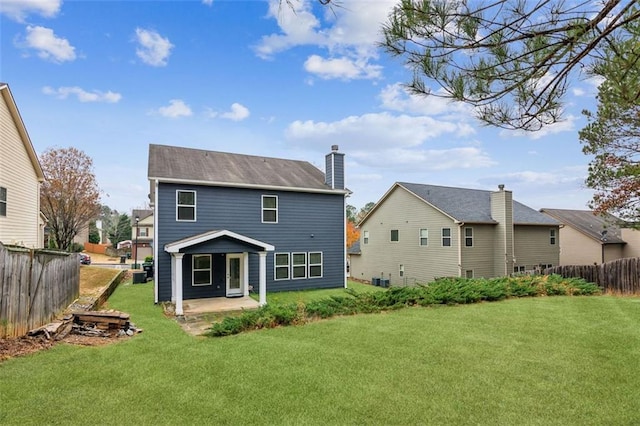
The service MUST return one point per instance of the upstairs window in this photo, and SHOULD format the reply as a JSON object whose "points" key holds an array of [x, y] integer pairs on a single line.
{"points": [[3, 201], [269, 209], [186, 206], [143, 232], [365, 237], [468, 237], [446, 237], [552, 237], [395, 235], [424, 237]]}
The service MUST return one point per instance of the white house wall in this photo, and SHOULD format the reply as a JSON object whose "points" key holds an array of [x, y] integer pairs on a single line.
{"points": [[406, 213], [532, 246], [21, 224]]}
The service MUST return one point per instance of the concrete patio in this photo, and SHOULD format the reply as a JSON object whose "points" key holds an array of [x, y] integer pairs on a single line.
{"points": [[218, 304]]}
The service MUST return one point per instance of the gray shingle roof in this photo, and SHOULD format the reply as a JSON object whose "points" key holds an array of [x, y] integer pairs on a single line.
{"points": [[473, 205], [188, 164], [589, 224], [141, 213]]}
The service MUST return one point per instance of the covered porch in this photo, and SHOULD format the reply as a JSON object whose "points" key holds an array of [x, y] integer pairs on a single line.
{"points": [[215, 266]]}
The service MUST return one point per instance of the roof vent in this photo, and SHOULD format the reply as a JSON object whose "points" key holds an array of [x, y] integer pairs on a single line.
{"points": [[501, 187], [334, 148]]}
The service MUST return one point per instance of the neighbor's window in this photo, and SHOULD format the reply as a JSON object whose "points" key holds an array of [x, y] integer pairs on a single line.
{"points": [[299, 265], [315, 264], [201, 269], [552, 236], [186, 205], [424, 237], [269, 209], [518, 269], [395, 235], [3, 201], [468, 237], [401, 270], [143, 232], [468, 273], [365, 237], [282, 266], [446, 237]]}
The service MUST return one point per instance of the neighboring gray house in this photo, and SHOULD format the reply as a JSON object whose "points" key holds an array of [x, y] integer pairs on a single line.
{"points": [[588, 238], [226, 223], [416, 233]]}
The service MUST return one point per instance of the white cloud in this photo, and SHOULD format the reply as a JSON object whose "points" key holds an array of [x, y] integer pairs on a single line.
{"points": [[577, 91], [48, 45], [207, 2], [565, 125], [19, 9], [153, 49], [82, 95], [396, 97], [238, 112], [424, 159], [177, 108], [349, 31], [343, 68]]}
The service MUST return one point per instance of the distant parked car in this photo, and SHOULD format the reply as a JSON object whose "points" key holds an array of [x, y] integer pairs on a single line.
{"points": [[85, 259]]}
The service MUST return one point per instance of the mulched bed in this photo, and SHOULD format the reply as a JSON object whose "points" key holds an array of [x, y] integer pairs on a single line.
{"points": [[11, 348]]}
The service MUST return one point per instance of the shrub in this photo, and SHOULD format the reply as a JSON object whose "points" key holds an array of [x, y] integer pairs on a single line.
{"points": [[443, 291], [148, 259], [76, 248]]}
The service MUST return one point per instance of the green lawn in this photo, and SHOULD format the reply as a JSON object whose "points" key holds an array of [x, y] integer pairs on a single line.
{"points": [[547, 360]]}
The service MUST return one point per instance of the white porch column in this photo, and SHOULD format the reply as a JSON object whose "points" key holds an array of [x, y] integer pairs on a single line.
{"points": [[178, 275], [263, 277], [245, 273], [173, 278]]}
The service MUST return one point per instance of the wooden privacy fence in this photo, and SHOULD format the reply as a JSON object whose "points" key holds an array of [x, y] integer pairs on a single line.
{"points": [[35, 286], [618, 276]]}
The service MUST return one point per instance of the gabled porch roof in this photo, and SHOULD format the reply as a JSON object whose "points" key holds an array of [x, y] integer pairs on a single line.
{"points": [[178, 245]]}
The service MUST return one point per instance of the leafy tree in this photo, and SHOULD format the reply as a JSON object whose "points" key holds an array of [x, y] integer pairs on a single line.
{"points": [[351, 213], [353, 233], [363, 211], [612, 135], [512, 60], [94, 234], [122, 231], [69, 196]]}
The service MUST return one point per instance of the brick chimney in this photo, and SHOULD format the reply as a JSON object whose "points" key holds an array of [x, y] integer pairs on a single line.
{"points": [[334, 169]]}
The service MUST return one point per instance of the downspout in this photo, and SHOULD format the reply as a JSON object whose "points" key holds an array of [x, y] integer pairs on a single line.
{"points": [[344, 242], [155, 242], [460, 225]]}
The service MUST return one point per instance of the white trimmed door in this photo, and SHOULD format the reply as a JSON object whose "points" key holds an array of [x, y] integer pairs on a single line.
{"points": [[235, 275]]}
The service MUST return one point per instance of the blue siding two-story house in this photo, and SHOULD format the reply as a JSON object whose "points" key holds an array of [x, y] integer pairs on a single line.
{"points": [[227, 223]]}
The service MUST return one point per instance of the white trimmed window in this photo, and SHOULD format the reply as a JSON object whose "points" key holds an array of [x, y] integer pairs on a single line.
{"points": [[186, 206], [365, 237], [446, 237], [395, 235], [401, 270], [468, 237], [299, 265], [281, 266], [552, 236], [3, 201], [143, 232], [315, 264], [201, 269], [518, 269], [269, 209], [424, 237]]}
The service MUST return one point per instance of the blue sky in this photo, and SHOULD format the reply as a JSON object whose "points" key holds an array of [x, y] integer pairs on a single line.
{"points": [[250, 77]]}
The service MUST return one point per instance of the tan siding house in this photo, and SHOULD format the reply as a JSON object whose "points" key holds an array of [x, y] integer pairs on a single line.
{"points": [[587, 238], [143, 230], [20, 178], [417, 233]]}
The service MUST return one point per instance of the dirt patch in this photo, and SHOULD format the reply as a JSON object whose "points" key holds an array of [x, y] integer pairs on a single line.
{"points": [[11, 348]]}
